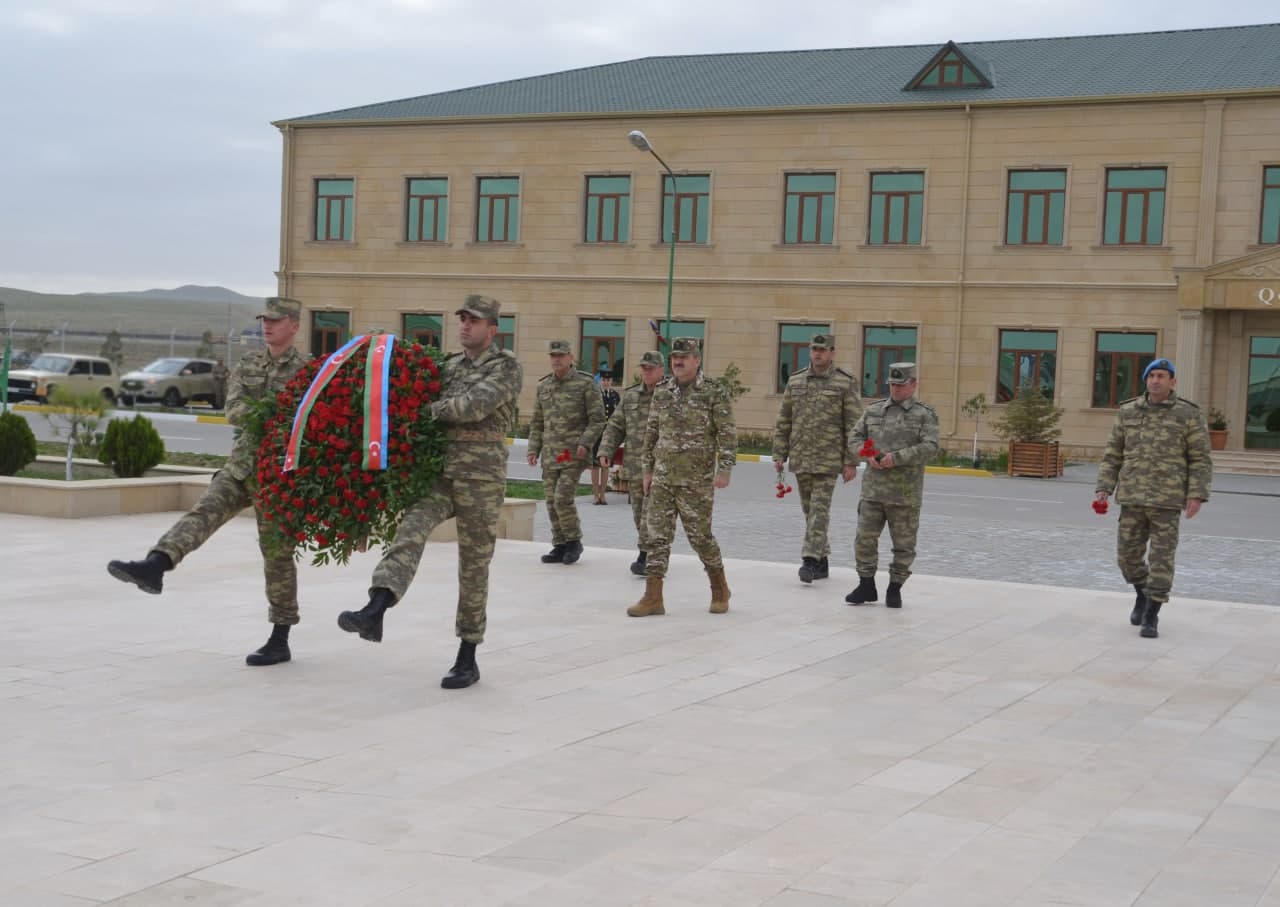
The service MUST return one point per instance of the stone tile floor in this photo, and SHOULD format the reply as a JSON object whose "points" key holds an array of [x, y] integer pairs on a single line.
{"points": [[990, 744]]}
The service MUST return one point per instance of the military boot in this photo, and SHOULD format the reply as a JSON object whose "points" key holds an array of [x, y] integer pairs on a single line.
{"points": [[1150, 621], [147, 574], [554, 556], [572, 551], [823, 570], [808, 569], [368, 620], [465, 671], [893, 596], [865, 593], [637, 566], [1139, 606], [719, 590], [651, 603], [275, 651]]}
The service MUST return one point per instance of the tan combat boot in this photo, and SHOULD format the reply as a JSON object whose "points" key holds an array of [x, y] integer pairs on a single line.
{"points": [[651, 603], [719, 591]]}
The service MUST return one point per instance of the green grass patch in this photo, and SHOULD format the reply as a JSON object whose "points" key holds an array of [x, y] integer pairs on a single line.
{"points": [[171, 457], [531, 489]]}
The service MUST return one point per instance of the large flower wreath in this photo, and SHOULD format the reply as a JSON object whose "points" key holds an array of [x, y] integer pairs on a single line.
{"points": [[347, 446]]}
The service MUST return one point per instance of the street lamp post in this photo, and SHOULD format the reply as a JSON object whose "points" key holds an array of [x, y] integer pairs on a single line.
{"points": [[639, 140]]}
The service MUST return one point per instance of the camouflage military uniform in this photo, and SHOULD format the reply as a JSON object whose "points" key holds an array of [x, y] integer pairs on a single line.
{"points": [[568, 414], [476, 406], [908, 430], [257, 376], [812, 433], [627, 424], [689, 438], [1157, 459]]}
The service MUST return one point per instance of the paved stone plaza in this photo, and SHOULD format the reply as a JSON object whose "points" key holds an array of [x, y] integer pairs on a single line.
{"points": [[989, 744]]}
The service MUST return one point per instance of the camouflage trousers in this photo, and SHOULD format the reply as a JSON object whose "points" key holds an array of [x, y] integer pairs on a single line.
{"points": [[560, 488], [815, 500], [1142, 525], [904, 525], [225, 497], [693, 505], [639, 507], [477, 504]]}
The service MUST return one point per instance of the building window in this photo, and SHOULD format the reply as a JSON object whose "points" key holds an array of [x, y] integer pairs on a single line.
{"points": [[1118, 361], [424, 329], [679, 328], [335, 210], [1269, 233], [1027, 359], [498, 209], [506, 339], [691, 203], [1134, 213], [603, 345], [881, 347], [897, 209], [427, 219], [809, 209], [1037, 207], [1262, 405], [793, 349], [608, 209], [329, 330]]}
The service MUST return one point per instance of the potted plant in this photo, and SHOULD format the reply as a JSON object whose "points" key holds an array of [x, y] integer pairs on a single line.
{"points": [[1030, 424], [1217, 429]]}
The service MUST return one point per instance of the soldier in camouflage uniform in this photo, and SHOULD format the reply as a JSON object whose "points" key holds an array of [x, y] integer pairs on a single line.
{"points": [[1158, 465], [568, 417], [259, 375], [627, 425], [689, 449], [476, 405], [905, 433], [820, 407]]}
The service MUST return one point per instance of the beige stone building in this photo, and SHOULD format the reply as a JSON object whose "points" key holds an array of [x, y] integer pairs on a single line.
{"points": [[1053, 212]]}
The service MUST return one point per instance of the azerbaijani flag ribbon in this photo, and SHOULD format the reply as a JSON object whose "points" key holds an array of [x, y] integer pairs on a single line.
{"points": [[318, 384], [376, 393]]}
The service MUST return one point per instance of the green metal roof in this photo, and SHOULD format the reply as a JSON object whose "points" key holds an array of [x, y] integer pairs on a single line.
{"points": [[1197, 61]]}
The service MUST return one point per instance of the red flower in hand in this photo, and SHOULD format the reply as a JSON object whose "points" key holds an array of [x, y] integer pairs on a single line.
{"points": [[1099, 507], [783, 490], [564, 456], [868, 450]]}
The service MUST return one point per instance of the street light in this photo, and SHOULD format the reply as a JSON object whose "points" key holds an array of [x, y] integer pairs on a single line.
{"points": [[641, 141]]}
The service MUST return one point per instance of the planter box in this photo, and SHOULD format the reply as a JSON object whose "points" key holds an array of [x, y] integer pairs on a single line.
{"points": [[1042, 460], [1218, 438]]}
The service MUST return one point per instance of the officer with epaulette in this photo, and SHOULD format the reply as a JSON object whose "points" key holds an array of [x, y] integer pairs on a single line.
{"points": [[820, 407], [626, 426], [904, 434], [568, 416]]}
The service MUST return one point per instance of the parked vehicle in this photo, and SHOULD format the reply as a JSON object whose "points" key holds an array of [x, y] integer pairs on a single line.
{"points": [[82, 374], [171, 381]]}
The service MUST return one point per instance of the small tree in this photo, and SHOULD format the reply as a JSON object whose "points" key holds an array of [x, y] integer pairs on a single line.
{"points": [[76, 415], [1030, 416], [731, 381], [131, 447], [17, 443], [975, 408], [205, 349], [113, 349]]}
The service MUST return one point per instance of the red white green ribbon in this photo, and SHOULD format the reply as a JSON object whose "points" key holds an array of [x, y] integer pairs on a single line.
{"points": [[376, 393], [318, 384]]}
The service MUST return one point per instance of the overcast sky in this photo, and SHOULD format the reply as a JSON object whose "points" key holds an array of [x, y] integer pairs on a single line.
{"points": [[135, 139]]}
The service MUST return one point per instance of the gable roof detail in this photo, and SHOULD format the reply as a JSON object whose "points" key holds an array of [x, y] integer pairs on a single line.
{"points": [[1194, 63], [949, 68]]}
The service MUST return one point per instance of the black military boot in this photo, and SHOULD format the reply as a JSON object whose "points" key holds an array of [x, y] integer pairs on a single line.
{"points": [[893, 596], [368, 620], [823, 570], [275, 651], [554, 556], [1150, 621], [572, 551], [1139, 606], [147, 575], [866, 592], [808, 569], [637, 566], [465, 671]]}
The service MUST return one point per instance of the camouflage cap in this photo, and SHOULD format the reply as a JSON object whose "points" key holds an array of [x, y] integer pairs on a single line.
{"points": [[1158, 363], [558, 348], [278, 307], [682, 346], [822, 342], [902, 372], [652, 357], [482, 307]]}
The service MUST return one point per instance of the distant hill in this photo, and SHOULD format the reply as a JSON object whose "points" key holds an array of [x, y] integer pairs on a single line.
{"points": [[188, 292], [185, 310]]}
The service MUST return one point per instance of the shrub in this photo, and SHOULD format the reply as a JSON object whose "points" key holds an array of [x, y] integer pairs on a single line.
{"points": [[1030, 416], [1217, 419], [131, 447], [17, 443]]}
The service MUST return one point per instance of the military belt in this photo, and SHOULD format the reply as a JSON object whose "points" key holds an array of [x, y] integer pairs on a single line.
{"points": [[473, 434]]}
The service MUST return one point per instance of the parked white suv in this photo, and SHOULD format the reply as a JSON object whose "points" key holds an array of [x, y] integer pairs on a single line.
{"points": [[82, 374], [171, 381]]}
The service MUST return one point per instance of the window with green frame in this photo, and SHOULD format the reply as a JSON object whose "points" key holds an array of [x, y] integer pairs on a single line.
{"points": [[687, 204], [1134, 210], [793, 349], [498, 209], [1027, 359], [329, 330], [1036, 208], [608, 215], [950, 72], [603, 345], [681, 328], [809, 209], [425, 329], [1269, 229], [881, 347], [427, 217], [335, 209], [506, 339], [1118, 361], [897, 209]]}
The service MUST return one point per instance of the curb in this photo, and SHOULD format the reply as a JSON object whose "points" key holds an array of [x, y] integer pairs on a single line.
{"points": [[113, 413]]}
